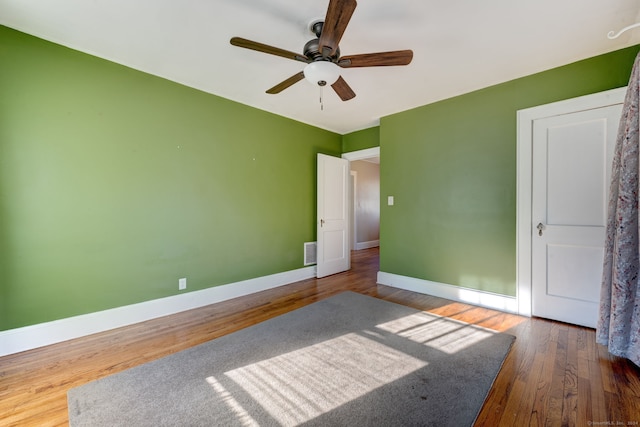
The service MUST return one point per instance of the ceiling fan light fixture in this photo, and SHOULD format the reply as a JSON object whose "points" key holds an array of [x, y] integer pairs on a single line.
{"points": [[322, 73]]}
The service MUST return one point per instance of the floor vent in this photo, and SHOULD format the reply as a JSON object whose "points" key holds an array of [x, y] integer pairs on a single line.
{"points": [[309, 253]]}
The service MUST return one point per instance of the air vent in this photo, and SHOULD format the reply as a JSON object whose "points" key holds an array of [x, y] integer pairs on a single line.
{"points": [[309, 253]]}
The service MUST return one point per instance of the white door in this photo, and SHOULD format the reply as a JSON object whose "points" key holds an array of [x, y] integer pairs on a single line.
{"points": [[333, 254], [571, 174]]}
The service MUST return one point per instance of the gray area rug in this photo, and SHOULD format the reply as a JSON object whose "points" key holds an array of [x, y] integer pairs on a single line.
{"points": [[350, 360]]}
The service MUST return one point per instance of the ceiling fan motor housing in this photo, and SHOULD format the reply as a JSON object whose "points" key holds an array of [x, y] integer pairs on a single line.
{"points": [[312, 51]]}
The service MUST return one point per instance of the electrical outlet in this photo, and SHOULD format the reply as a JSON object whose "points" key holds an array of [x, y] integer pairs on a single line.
{"points": [[182, 284]]}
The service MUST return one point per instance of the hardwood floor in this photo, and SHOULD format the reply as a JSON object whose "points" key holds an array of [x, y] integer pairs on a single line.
{"points": [[555, 374]]}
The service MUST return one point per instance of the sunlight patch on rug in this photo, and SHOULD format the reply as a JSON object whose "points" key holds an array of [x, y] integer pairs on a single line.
{"points": [[299, 386], [437, 332], [242, 415]]}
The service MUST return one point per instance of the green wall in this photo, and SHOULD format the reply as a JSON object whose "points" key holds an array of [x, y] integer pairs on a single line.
{"points": [[361, 140], [451, 166], [115, 183]]}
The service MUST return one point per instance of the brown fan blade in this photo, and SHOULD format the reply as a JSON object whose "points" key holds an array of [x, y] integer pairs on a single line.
{"points": [[343, 90], [380, 59], [261, 47], [335, 23], [285, 84]]}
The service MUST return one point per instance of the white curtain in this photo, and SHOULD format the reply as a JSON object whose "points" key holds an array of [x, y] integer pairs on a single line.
{"points": [[619, 320]]}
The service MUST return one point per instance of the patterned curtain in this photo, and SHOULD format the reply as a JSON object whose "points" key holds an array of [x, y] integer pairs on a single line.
{"points": [[619, 320]]}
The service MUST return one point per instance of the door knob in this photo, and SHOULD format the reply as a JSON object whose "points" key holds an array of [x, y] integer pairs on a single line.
{"points": [[540, 227]]}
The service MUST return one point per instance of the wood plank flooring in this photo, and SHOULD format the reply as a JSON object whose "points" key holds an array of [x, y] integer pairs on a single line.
{"points": [[554, 375]]}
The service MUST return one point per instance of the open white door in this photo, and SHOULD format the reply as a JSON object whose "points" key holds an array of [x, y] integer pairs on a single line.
{"points": [[333, 254]]}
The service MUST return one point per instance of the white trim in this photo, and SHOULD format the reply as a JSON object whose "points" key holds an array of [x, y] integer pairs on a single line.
{"points": [[30, 337], [362, 154], [451, 292], [353, 214], [367, 245], [525, 119]]}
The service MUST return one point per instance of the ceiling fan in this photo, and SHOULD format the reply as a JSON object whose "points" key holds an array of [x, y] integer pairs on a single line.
{"points": [[322, 54]]}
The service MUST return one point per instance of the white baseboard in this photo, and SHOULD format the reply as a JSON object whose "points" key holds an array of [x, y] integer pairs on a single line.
{"points": [[455, 293], [34, 336], [367, 245]]}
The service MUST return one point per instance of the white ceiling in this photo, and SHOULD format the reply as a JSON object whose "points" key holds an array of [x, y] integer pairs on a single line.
{"points": [[459, 45]]}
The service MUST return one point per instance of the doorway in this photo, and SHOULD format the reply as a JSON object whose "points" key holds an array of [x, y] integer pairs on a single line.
{"points": [[364, 198]]}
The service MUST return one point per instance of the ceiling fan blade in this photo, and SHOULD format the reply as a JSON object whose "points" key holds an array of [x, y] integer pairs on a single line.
{"points": [[343, 90], [261, 47], [285, 84], [380, 59], [335, 23]]}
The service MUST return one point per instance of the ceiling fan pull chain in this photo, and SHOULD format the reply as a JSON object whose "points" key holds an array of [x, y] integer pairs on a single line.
{"points": [[321, 103]]}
